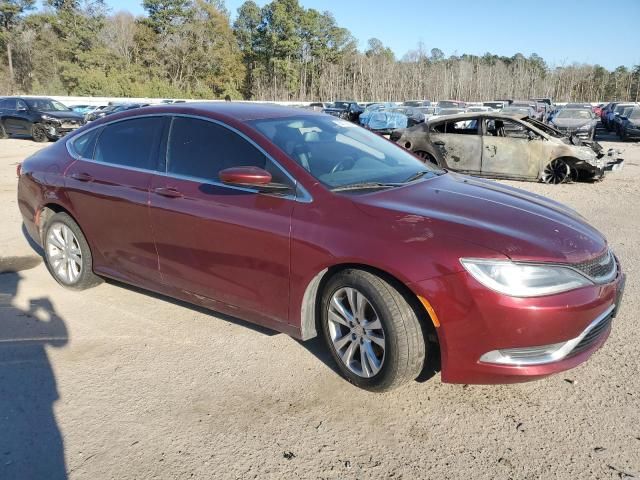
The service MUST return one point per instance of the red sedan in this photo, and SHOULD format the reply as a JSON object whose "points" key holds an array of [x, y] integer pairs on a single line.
{"points": [[311, 225]]}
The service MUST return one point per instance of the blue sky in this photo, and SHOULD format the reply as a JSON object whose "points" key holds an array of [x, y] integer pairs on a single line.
{"points": [[561, 31]]}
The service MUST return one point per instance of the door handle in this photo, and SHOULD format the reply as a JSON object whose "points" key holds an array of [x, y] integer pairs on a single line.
{"points": [[82, 177], [440, 143], [492, 148], [168, 192]]}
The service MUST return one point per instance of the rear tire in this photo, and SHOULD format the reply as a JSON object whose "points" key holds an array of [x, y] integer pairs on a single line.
{"points": [[67, 253], [371, 331]]}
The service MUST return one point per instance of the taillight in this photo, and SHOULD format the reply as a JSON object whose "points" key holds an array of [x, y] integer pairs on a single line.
{"points": [[19, 170]]}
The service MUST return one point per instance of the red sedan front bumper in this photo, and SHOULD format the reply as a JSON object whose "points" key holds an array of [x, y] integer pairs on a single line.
{"points": [[475, 320]]}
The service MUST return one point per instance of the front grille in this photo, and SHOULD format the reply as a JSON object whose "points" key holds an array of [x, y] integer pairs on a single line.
{"points": [[599, 268], [592, 336]]}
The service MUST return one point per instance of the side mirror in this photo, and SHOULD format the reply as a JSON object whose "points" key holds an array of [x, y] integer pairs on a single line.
{"points": [[531, 135], [252, 177], [21, 109]]}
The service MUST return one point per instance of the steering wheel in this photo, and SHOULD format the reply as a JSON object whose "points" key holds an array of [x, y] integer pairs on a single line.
{"points": [[344, 164]]}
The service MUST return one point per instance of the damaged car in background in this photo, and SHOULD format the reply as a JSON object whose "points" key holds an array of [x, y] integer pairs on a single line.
{"points": [[346, 110], [580, 122], [387, 120], [40, 118], [504, 146]]}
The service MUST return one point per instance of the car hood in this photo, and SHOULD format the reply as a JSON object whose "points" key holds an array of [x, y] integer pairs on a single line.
{"points": [[64, 115], [571, 122], [515, 223]]}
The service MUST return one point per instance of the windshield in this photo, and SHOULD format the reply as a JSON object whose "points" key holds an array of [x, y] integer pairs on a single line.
{"points": [[339, 153], [46, 105], [635, 113], [523, 111], [574, 113]]}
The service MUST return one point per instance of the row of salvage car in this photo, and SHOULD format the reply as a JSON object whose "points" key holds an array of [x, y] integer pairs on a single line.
{"points": [[501, 139]]}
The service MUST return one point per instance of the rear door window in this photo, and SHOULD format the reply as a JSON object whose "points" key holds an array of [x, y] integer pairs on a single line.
{"points": [[10, 104], [131, 143]]}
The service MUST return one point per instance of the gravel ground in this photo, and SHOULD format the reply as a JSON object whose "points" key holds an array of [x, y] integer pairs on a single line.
{"points": [[117, 383]]}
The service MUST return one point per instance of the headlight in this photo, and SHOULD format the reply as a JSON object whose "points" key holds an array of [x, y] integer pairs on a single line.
{"points": [[585, 127], [524, 280], [48, 118]]}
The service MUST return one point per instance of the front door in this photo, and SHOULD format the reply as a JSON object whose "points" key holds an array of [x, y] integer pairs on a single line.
{"points": [[230, 245], [460, 142], [507, 149], [109, 190]]}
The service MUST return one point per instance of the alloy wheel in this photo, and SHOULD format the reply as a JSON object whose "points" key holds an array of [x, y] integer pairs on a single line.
{"points": [[64, 253], [356, 332], [557, 171]]}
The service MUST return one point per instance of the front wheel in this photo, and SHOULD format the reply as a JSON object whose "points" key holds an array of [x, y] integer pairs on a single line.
{"points": [[372, 332], [557, 171], [426, 157], [67, 253], [39, 133]]}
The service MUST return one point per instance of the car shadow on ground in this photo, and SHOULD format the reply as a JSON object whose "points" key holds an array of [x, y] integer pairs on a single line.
{"points": [[31, 445]]}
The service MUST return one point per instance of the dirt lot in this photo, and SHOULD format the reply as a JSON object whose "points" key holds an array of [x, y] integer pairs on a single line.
{"points": [[117, 383]]}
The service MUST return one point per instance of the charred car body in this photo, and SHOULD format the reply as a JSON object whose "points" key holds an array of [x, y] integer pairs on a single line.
{"points": [[346, 110], [42, 119], [504, 146]]}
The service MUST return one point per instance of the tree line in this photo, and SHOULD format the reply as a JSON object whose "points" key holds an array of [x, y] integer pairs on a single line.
{"points": [[281, 51]]}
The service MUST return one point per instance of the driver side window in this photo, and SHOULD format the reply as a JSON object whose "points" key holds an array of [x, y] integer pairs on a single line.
{"points": [[507, 128], [201, 149]]}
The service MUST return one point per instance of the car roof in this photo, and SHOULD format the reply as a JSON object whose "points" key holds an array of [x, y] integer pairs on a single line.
{"points": [[239, 111]]}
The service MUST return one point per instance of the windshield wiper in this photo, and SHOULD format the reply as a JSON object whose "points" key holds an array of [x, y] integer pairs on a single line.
{"points": [[364, 186], [416, 176]]}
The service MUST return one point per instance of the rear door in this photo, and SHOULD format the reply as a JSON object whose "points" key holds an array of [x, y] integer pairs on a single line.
{"points": [[507, 149], [109, 189], [227, 245], [10, 117], [460, 142]]}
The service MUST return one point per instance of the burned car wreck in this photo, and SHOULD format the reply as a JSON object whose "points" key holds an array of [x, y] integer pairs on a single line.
{"points": [[505, 146]]}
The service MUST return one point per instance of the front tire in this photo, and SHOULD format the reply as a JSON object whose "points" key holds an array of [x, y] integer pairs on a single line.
{"points": [[557, 171], [39, 133], [427, 157], [372, 332], [67, 254]]}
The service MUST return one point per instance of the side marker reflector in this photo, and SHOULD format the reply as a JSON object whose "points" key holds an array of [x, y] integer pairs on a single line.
{"points": [[430, 311]]}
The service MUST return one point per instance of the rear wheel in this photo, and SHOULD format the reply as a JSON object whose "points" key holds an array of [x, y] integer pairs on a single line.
{"points": [[373, 334], [67, 253], [39, 133], [557, 171]]}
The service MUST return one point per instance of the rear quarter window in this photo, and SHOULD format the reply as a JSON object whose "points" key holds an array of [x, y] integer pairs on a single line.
{"points": [[84, 145]]}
